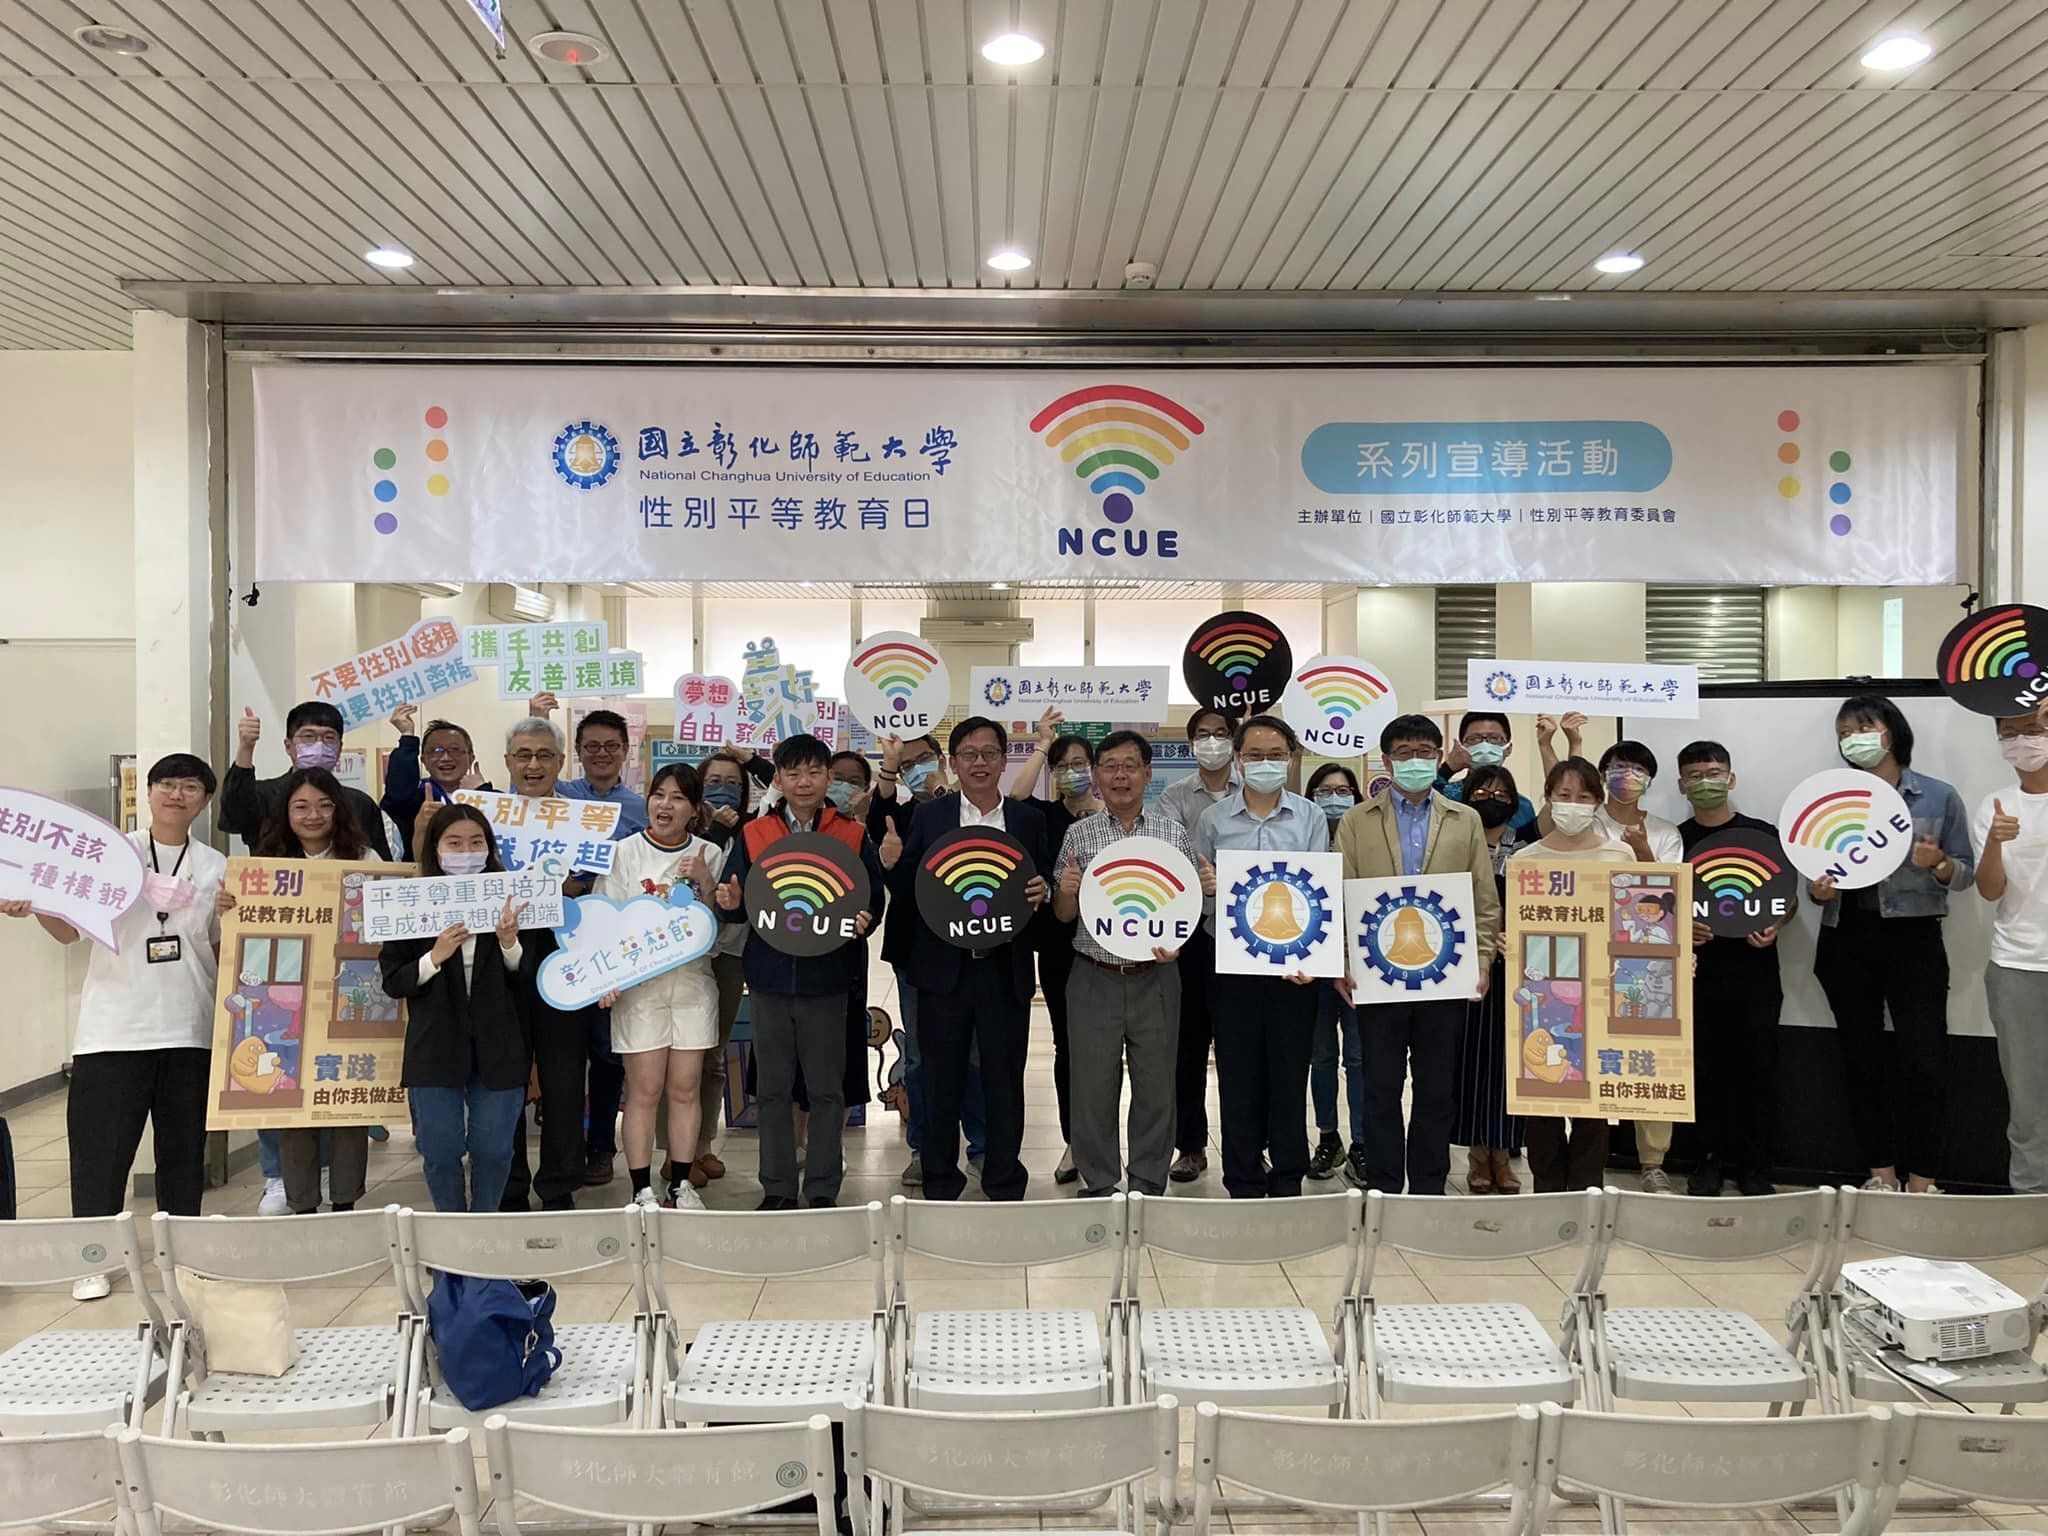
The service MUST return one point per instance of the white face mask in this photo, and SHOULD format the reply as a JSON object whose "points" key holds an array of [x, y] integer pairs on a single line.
{"points": [[2027, 754], [1573, 819], [1212, 752]]}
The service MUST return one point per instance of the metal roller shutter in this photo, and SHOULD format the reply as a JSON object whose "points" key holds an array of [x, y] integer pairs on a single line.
{"points": [[1464, 629], [1719, 629]]}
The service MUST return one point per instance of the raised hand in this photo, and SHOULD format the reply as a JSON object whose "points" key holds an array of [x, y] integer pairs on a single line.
{"points": [[1926, 853], [729, 895], [447, 944], [18, 908], [892, 752], [1070, 881], [1822, 889], [1638, 840], [541, 705], [1036, 891], [1208, 873], [508, 924], [405, 719], [892, 847], [248, 731], [1049, 725], [2004, 826]]}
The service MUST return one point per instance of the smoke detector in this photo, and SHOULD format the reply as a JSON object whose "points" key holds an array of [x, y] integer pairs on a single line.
{"points": [[578, 48], [1140, 274]]}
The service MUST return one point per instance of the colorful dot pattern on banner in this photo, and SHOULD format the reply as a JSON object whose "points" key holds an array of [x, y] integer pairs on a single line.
{"points": [[1788, 453], [1839, 494]]}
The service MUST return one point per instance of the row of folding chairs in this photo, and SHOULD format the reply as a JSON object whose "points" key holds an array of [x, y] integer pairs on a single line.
{"points": [[640, 1479]]}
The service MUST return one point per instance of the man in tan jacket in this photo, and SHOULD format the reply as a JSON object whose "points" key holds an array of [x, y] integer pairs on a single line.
{"points": [[1413, 830]]}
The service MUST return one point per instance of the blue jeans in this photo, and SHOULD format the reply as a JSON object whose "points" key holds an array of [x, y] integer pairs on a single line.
{"points": [[1322, 1066], [271, 1159], [471, 1119], [973, 1114]]}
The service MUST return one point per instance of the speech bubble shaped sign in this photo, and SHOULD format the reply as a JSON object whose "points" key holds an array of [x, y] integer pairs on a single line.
{"points": [[607, 946], [67, 863]]}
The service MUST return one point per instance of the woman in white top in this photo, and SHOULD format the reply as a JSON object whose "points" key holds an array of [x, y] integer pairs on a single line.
{"points": [[145, 1020], [663, 1027]]}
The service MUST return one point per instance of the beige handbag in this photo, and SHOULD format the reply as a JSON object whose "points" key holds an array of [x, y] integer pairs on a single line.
{"points": [[247, 1329]]}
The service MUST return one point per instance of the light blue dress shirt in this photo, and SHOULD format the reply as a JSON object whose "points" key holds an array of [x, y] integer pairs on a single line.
{"points": [[1297, 825], [631, 803], [1411, 819]]}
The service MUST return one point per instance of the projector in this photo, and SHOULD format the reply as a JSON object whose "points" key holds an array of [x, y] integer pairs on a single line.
{"points": [[1931, 1310]]}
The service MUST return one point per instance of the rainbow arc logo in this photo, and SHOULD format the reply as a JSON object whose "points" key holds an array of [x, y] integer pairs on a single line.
{"points": [[1994, 647], [1734, 873], [1118, 438], [1342, 692], [1138, 887], [974, 869], [804, 883], [1835, 822], [897, 669], [1234, 647]]}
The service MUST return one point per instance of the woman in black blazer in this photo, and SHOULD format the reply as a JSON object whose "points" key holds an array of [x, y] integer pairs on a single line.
{"points": [[467, 1036]]}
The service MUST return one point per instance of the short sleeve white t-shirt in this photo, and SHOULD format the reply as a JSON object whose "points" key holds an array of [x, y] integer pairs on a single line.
{"points": [[1666, 845], [2019, 931], [129, 1004], [640, 867]]}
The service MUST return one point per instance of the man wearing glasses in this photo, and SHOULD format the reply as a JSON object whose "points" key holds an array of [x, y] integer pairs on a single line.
{"points": [[602, 743], [425, 771]]}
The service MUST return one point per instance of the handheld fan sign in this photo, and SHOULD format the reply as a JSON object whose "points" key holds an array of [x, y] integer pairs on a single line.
{"points": [[608, 947], [1742, 882], [1140, 894], [1996, 662], [970, 887], [67, 864], [1339, 704], [1847, 826], [897, 685], [806, 893], [1238, 662]]}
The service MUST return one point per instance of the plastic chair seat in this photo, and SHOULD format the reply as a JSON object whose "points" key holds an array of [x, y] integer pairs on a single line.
{"points": [[768, 1371], [77, 1380], [1229, 1355], [1462, 1352], [595, 1383], [2009, 1378], [1706, 1354], [1008, 1359], [343, 1376]]}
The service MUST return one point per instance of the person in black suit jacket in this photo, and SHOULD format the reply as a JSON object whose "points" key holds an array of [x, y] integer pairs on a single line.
{"points": [[968, 997]]}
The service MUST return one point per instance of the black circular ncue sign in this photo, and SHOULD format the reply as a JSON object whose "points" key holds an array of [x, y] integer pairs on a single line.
{"points": [[805, 895], [1742, 882], [1996, 661], [970, 887], [1238, 662]]}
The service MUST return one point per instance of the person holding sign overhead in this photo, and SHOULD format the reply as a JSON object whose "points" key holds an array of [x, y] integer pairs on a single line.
{"points": [[975, 987], [411, 796], [1881, 947], [2011, 834]]}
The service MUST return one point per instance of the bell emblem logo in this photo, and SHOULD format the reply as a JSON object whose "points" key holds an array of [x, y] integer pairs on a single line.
{"points": [[1409, 945], [584, 457], [1277, 919]]}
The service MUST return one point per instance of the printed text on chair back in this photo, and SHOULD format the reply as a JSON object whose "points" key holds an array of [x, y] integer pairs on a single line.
{"points": [[1472, 1227], [1978, 1456], [1009, 1232], [1365, 1464], [1713, 1463], [1019, 1456], [1722, 1230], [1246, 1231], [1947, 1226]]}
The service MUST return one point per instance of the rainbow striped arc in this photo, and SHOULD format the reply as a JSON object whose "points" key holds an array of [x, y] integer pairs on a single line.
{"points": [[1117, 437]]}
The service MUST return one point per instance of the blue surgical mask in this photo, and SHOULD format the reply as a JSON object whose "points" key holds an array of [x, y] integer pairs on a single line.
{"points": [[1486, 754], [1336, 803], [722, 796], [1265, 777], [841, 793], [1414, 774], [315, 754], [465, 863], [918, 776]]}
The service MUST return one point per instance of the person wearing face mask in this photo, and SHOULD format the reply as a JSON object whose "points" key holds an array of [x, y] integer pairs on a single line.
{"points": [[1068, 761], [467, 1045], [1211, 736], [2010, 832], [1265, 1025], [1413, 830], [145, 1016], [313, 738], [1333, 790], [1566, 1153], [1484, 740], [424, 771], [1737, 998], [727, 803], [1881, 949], [1483, 1125]]}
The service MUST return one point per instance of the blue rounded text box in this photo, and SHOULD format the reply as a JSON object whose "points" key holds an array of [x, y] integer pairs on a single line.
{"points": [[1501, 458]]}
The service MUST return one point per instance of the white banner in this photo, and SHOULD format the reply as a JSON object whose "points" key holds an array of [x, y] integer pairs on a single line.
{"points": [[1634, 689], [1831, 474], [540, 830], [426, 907], [424, 661], [1127, 695]]}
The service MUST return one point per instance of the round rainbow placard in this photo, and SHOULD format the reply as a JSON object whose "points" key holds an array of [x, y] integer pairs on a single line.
{"points": [[1996, 661], [970, 887], [1338, 705], [1845, 825], [1742, 882], [805, 894], [897, 684], [1140, 894], [1237, 662]]}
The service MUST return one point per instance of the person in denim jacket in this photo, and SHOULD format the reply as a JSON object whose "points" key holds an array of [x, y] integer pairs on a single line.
{"points": [[1881, 947]]}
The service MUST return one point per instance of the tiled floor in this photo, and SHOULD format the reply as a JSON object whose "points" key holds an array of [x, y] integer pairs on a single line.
{"points": [[875, 1157]]}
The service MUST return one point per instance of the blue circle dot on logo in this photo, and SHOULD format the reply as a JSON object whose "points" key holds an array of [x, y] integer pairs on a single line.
{"points": [[1116, 506], [1838, 493], [384, 490], [1839, 524], [386, 523]]}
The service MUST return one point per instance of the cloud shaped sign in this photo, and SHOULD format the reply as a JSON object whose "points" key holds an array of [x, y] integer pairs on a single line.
{"points": [[67, 863], [608, 947]]}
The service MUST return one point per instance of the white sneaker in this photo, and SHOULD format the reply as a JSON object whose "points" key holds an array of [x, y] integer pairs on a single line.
{"points": [[1931, 1189], [647, 1199], [687, 1198], [1656, 1182], [91, 1288], [1873, 1184], [273, 1202]]}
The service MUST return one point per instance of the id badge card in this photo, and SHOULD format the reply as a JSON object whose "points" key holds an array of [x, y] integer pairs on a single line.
{"points": [[164, 949]]}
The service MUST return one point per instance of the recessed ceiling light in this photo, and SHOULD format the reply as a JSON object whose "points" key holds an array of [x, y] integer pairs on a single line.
{"points": [[578, 48], [389, 256], [1900, 51], [807, 583], [999, 586], [1619, 263], [1012, 50], [1551, 298], [111, 40], [1008, 260]]}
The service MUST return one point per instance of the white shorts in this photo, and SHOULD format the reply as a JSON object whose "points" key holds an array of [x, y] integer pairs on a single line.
{"points": [[673, 1012]]}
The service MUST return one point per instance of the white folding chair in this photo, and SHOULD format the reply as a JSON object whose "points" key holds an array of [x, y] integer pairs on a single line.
{"points": [[997, 1359], [1265, 1356], [1364, 1467], [766, 1369], [2004, 1458], [1969, 1228], [344, 1376], [1026, 1461], [1704, 1354], [603, 1377], [78, 1379], [1470, 1352], [47, 1479], [644, 1478], [1682, 1463], [357, 1486]]}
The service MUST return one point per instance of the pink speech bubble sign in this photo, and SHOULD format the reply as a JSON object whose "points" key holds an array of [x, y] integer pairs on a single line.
{"points": [[67, 863]]}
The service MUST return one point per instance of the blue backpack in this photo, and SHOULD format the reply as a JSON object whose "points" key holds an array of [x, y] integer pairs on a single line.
{"points": [[494, 1343]]}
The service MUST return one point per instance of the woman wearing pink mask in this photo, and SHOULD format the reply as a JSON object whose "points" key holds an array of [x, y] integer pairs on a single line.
{"points": [[2010, 832], [145, 1020], [312, 738]]}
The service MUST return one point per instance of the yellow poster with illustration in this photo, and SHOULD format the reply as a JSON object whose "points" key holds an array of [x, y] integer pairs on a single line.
{"points": [[303, 1032], [1599, 989]]}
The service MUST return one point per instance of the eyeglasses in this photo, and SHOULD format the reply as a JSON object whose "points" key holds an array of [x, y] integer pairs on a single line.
{"points": [[1414, 754], [1702, 778], [307, 737], [600, 748], [180, 786], [980, 754], [529, 759], [1118, 770], [1212, 735], [445, 751]]}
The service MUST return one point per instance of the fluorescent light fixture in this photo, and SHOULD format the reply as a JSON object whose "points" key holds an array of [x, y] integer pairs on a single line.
{"points": [[999, 586], [1013, 50], [1008, 260], [1551, 298], [111, 40], [1619, 263], [1902, 50], [389, 257]]}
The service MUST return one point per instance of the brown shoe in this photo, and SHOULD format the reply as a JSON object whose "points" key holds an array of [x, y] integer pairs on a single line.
{"points": [[1478, 1171], [1504, 1180], [712, 1164], [1188, 1167], [698, 1177]]}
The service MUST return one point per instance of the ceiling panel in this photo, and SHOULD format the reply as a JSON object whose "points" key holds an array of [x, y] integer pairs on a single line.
{"points": [[1490, 146]]}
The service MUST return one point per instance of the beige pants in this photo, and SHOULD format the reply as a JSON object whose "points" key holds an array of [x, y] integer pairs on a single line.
{"points": [[1653, 1140]]}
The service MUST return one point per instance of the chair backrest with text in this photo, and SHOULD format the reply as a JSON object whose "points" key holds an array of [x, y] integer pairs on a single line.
{"points": [[520, 1245], [767, 1244], [53, 1250]]}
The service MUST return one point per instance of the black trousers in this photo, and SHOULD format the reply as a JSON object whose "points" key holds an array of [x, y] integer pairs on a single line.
{"points": [[1265, 1034], [1055, 965], [1898, 1082], [983, 1009], [112, 1094], [561, 1053], [1397, 1038], [1735, 1009], [1191, 1068], [1566, 1154]]}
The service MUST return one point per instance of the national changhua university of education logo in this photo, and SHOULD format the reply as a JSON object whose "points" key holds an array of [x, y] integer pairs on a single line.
{"points": [[586, 455], [1500, 686], [1279, 912], [1410, 938]]}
